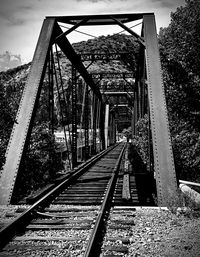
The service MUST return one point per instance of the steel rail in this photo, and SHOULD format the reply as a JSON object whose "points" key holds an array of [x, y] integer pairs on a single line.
{"points": [[19, 224], [93, 243]]}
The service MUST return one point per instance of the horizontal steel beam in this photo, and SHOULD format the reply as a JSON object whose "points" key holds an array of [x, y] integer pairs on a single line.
{"points": [[114, 75], [102, 56], [102, 19], [121, 105], [116, 93]]}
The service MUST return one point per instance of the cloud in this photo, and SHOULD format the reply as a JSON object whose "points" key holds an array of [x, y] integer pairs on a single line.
{"points": [[92, 1], [170, 4], [95, 1], [15, 13], [21, 20], [11, 20]]}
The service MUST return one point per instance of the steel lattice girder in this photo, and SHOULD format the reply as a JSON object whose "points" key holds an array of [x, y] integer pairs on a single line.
{"points": [[163, 157]]}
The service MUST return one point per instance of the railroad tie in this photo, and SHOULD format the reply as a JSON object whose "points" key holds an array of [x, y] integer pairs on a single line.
{"points": [[126, 192]]}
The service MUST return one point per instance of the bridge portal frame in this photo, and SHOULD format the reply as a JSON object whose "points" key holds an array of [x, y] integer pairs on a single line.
{"points": [[52, 33]]}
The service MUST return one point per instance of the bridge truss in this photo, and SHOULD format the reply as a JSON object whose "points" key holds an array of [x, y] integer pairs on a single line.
{"points": [[96, 107]]}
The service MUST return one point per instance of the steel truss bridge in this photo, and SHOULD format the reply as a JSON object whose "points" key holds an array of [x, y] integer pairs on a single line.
{"points": [[94, 103]]}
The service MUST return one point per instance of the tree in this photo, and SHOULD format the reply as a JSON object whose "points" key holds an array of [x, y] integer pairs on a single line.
{"points": [[127, 132], [41, 162], [180, 58], [6, 122]]}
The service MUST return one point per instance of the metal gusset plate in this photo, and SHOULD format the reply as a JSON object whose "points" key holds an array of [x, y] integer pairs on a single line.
{"points": [[24, 116], [163, 155]]}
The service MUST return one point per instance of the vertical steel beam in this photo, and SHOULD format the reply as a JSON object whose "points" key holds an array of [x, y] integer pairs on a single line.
{"points": [[112, 127], [51, 92], [139, 99], [25, 114], [142, 85], [113, 134], [86, 119], [163, 156], [98, 125], [106, 125], [94, 125], [135, 110], [102, 122], [74, 117], [110, 133]]}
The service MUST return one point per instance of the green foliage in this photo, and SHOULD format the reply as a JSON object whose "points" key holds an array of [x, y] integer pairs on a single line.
{"points": [[111, 44], [141, 139], [186, 146], [107, 44], [6, 123], [40, 164], [127, 132], [181, 39], [11, 86], [180, 57], [184, 204]]}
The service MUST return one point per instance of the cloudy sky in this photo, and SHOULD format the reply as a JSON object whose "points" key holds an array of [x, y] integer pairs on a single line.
{"points": [[21, 20]]}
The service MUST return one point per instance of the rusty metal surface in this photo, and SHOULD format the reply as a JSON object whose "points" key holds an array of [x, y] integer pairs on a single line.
{"points": [[20, 130], [163, 155]]}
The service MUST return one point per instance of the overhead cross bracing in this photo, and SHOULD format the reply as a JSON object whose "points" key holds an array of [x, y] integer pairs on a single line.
{"points": [[85, 109], [102, 19]]}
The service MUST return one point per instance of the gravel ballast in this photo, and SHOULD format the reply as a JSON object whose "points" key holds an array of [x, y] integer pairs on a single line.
{"points": [[144, 232], [157, 232]]}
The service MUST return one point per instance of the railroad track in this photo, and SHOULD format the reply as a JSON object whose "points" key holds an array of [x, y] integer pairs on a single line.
{"points": [[69, 220], [119, 231]]}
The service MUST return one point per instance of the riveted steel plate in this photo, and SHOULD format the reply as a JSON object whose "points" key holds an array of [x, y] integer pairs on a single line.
{"points": [[163, 155]]}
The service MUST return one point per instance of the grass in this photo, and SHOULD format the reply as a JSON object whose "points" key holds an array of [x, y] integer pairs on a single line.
{"points": [[184, 204]]}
